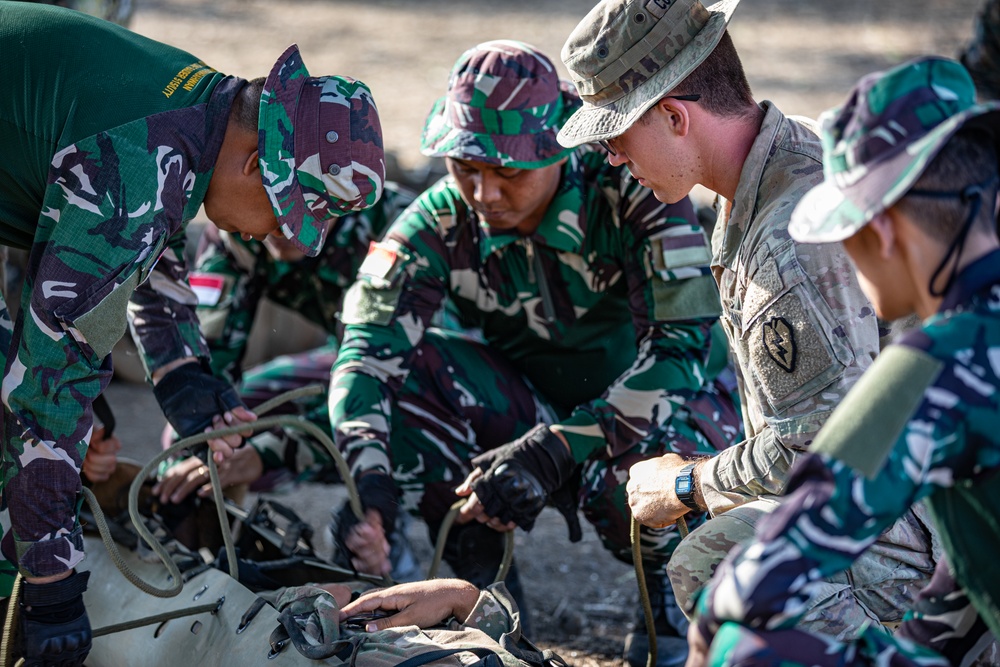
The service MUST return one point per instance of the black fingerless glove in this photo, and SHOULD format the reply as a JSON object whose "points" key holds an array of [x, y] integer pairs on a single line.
{"points": [[377, 491], [519, 477], [190, 396], [55, 629]]}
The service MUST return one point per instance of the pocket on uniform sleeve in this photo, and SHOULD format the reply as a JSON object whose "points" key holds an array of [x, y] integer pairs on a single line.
{"points": [[97, 319], [788, 330]]}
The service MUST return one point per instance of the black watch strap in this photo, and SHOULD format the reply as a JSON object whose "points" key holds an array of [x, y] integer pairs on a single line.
{"points": [[684, 487]]}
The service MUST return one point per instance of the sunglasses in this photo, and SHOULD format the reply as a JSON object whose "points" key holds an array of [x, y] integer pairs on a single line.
{"points": [[606, 143]]}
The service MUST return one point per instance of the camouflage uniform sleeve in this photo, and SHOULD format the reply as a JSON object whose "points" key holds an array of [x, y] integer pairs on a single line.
{"points": [[96, 240], [674, 302], [495, 612], [162, 312], [228, 291], [808, 333], [400, 286], [884, 449]]}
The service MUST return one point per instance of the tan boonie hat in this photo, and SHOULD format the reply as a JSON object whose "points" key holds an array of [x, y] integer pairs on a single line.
{"points": [[627, 54]]}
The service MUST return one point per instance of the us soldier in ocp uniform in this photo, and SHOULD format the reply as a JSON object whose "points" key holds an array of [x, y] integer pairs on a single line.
{"points": [[596, 312], [911, 181], [98, 182], [663, 87]]}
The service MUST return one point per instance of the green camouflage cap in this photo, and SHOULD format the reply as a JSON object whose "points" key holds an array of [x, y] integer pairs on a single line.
{"points": [[627, 54], [319, 148], [881, 140], [504, 105]]}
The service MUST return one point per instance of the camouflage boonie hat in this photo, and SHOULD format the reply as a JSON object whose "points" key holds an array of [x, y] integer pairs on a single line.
{"points": [[881, 140], [319, 148], [504, 105], [627, 54]]}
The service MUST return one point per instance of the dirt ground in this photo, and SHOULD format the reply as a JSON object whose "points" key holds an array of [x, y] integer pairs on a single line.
{"points": [[802, 54]]}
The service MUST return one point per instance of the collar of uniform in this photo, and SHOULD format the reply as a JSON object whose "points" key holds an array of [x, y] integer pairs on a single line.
{"points": [[216, 120], [982, 273], [561, 227], [747, 190]]}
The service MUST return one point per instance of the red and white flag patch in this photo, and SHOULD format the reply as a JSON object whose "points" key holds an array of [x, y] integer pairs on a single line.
{"points": [[207, 287]]}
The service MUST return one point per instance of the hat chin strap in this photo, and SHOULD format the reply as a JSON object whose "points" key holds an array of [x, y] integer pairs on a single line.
{"points": [[972, 194]]}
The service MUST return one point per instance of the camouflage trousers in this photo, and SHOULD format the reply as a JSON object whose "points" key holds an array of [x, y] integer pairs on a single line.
{"points": [[943, 619], [878, 588], [463, 398]]}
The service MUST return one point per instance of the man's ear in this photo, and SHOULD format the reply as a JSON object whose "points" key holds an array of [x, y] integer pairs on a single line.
{"points": [[676, 114], [251, 164], [884, 227]]}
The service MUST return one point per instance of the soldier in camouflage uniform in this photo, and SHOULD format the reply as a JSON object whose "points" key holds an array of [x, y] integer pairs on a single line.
{"points": [[595, 308], [911, 179], [98, 183], [230, 278], [663, 87]]}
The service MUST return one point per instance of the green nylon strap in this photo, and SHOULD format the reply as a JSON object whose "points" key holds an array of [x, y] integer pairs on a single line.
{"points": [[865, 426]]}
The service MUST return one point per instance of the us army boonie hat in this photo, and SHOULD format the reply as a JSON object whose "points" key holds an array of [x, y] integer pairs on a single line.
{"points": [[876, 146], [504, 105], [627, 54], [320, 149]]}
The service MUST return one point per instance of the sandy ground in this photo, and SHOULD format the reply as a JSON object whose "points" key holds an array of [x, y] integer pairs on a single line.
{"points": [[803, 55]]}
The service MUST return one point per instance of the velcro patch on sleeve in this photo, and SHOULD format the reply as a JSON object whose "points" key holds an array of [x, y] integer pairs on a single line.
{"points": [[681, 252], [382, 264], [208, 287], [864, 428]]}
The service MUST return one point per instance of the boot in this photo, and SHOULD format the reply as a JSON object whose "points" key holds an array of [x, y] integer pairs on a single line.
{"points": [[474, 552], [670, 623]]}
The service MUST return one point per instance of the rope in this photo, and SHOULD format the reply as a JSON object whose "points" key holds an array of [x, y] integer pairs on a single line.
{"points": [[647, 607], [442, 538], [159, 618], [10, 623]]}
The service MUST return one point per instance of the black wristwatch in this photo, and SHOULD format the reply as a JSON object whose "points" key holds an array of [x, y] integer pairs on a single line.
{"points": [[684, 487]]}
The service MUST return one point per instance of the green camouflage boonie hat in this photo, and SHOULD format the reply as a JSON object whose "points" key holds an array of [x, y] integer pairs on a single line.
{"points": [[319, 148], [627, 54], [881, 140], [504, 105]]}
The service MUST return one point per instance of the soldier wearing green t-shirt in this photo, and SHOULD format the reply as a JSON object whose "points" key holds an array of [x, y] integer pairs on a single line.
{"points": [[111, 142]]}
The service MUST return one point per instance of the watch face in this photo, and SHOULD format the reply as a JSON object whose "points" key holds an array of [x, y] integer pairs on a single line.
{"points": [[683, 485]]}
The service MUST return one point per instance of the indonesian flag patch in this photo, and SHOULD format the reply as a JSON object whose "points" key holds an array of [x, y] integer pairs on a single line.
{"points": [[207, 287]]}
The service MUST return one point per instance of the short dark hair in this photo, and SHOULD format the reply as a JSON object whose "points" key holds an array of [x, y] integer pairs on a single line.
{"points": [[968, 159], [246, 106], [721, 81]]}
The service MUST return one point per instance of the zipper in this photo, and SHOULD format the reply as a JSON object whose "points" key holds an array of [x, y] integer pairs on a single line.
{"points": [[536, 271]]}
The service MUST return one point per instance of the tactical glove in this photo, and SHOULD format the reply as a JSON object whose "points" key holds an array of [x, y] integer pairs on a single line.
{"points": [[190, 396], [378, 492], [55, 629], [521, 476]]}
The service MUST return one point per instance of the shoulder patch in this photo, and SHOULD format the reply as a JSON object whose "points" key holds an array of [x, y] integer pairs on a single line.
{"points": [[779, 341], [681, 252], [382, 264], [208, 287]]}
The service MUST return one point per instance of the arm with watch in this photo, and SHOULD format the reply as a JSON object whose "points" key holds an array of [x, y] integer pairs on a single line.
{"points": [[662, 489]]}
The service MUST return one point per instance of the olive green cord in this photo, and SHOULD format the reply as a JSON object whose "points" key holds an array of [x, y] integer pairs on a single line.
{"points": [[647, 607]]}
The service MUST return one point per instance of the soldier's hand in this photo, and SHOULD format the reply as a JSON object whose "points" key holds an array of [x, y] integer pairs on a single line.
{"points": [[102, 456], [55, 629], [368, 545], [421, 603], [519, 477], [191, 474], [194, 401], [367, 540], [473, 509], [650, 491]]}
